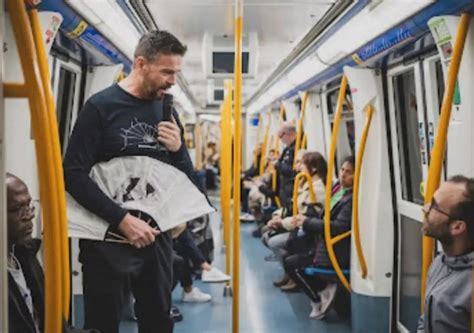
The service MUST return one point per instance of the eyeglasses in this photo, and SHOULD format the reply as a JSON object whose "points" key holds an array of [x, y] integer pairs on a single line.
{"points": [[434, 206], [23, 211]]}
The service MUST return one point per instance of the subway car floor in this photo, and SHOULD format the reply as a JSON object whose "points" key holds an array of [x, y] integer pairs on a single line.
{"points": [[263, 308]]}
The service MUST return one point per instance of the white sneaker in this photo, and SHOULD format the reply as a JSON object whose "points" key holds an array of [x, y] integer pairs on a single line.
{"points": [[214, 275], [328, 295], [247, 217], [196, 296], [316, 311]]}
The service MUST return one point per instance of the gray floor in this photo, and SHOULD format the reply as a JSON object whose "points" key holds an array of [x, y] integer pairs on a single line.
{"points": [[263, 308]]}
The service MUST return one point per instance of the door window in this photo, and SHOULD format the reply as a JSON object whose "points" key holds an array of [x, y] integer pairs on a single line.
{"points": [[409, 132], [65, 104]]}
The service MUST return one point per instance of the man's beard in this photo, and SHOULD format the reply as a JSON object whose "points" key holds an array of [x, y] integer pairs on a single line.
{"points": [[155, 93]]}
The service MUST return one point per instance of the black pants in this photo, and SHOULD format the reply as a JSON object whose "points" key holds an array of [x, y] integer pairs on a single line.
{"points": [[181, 272], [108, 267], [294, 266]]}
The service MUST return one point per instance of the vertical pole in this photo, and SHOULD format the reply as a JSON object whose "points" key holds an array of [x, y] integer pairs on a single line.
{"points": [[437, 155], [237, 158], [3, 201], [226, 175]]}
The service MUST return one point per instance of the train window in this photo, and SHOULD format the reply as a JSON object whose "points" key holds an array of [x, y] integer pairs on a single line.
{"points": [[411, 172], [65, 104], [410, 272], [332, 101]]}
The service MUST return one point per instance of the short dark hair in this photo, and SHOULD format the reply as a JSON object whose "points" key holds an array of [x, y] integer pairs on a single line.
{"points": [[464, 210], [158, 42]]}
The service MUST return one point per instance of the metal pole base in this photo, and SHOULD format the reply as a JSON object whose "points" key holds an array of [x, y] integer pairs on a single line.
{"points": [[227, 291]]}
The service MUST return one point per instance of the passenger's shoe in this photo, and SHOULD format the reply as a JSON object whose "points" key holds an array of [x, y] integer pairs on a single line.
{"points": [[316, 311], [328, 295], [247, 217], [214, 275], [175, 314], [281, 281], [290, 286], [196, 296]]}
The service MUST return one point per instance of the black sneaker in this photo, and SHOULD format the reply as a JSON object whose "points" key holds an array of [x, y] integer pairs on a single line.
{"points": [[175, 314]]}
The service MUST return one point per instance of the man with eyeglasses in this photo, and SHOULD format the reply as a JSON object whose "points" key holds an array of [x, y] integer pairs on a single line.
{"points": [[449, 218]]}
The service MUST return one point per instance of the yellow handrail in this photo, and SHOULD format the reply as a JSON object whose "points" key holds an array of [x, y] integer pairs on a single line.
{"points": [[355, 197], [226, 170], [237, 164], [327, 202], [46, 169], [281, 117], [296, 186], [304, 143], [274, 188], [437, 155], [60, 188], [299, 130], [263, 157]]}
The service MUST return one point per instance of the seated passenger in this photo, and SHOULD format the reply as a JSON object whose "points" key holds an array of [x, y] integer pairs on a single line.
{"points": [[25, 275], [186, 252], [314, 164], [320, 291], [449, 218]]}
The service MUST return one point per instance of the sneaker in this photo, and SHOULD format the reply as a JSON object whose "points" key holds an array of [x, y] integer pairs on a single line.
{"points": [[175, 314], [247, 217], [316, 311], [328, 295], [214, 275], [281, 281], [291, 286], [196, 296]]}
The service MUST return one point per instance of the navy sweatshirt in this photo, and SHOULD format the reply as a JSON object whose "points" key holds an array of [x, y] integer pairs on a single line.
{"points": [[114, 123]]}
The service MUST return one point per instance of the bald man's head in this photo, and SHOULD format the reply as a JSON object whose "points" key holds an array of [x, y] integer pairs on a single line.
{"points": [[19, 211]]}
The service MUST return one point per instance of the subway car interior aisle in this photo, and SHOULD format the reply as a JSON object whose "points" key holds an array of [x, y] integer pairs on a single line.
{"points": [[236, 166]]}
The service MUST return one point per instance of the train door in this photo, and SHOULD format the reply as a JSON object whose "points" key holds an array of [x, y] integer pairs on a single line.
{"points": [[413, 127], [66, 88]]}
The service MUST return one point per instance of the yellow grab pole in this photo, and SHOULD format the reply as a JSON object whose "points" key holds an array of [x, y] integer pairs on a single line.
{"points": [[281, 118], [56, 149], [296, 186], [45, 161], [327, 202], [237, 158], [299, 130], [274, 188], [304, 143], [226, 172], [264, 146], [437, 154], [355, 197]]}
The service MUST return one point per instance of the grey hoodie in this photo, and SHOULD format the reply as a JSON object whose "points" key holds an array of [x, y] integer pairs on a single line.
{"points": [[448, 295]]}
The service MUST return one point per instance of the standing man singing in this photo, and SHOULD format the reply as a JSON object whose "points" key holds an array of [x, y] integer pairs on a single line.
{"points": [[126, 119]]}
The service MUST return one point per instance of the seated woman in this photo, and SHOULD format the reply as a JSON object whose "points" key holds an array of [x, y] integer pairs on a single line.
{"points": [[319, 290], [314, 164]]}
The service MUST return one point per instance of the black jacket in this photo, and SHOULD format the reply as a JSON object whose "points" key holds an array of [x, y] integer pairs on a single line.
{"points": [[19, 318], [286, 175], [341, 221]]}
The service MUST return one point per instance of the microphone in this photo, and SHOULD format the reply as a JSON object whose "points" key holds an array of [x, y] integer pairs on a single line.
{"points": [[167, 107]]}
